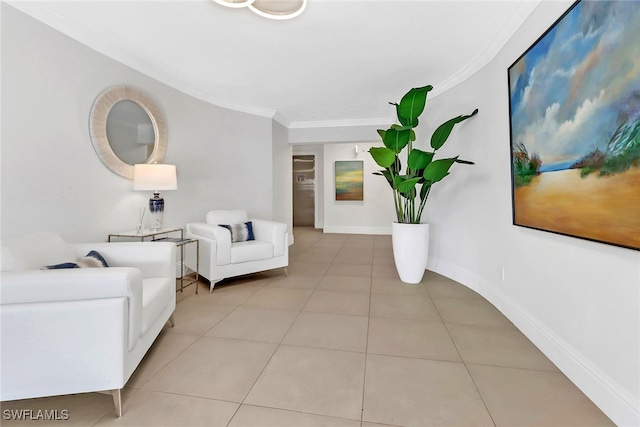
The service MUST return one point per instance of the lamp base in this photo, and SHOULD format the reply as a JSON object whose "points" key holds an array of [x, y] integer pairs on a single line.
{"points": [[156, 209]]}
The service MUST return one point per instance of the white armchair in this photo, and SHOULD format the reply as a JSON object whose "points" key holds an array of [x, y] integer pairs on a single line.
{"points": [[221, 258], [80, 330]]}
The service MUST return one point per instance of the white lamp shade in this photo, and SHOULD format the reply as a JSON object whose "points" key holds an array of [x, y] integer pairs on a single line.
{"points": [[154, 177]]}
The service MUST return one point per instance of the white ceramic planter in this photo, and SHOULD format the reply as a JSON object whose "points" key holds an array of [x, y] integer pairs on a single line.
{"points": [[410, 250]]}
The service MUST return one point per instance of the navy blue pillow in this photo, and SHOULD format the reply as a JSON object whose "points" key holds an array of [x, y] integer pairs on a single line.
{"points": [[61, 266], [240, 232], [92, 260]]}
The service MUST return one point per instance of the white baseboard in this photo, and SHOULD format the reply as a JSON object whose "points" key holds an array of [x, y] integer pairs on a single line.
{"points": [[615, 401], [357, 230]]}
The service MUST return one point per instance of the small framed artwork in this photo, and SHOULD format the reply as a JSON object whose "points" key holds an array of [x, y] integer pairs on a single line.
{"points": [[574, 110], [349, 180]]}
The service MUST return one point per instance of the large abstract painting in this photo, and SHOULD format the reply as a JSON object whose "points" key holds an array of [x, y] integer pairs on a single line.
{"points": [[349, 180], [575, 126]]}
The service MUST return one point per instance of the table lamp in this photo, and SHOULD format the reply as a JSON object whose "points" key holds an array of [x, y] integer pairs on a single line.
{"points": [[155, 177]]}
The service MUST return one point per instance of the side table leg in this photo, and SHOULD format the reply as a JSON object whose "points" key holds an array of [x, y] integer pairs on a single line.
{"points": [[197, 264], [181, 267]]}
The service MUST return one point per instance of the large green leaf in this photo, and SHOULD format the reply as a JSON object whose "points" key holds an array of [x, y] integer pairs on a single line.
{"points": [[407, 185], [381, 132], [412, 105], [438, 169], [397, 138], [403, 187], [419, 159], [397, 180], [443, 131], [383, 156]]}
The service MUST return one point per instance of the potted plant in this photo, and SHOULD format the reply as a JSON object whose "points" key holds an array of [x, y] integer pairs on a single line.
{"points": [[412, 180]]}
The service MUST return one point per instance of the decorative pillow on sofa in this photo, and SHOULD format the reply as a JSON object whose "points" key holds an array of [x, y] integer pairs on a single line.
{"points": [[92, 260], [240, 232], [60, 266]]}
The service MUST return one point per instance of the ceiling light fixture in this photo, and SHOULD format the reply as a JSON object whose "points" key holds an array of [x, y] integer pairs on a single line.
{"points": [[272, 9], [234, 3]]}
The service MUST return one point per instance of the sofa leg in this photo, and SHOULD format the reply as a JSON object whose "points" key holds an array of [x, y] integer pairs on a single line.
{"points": [[286, 271], [117, 401], [172, 321], [212, 283]]}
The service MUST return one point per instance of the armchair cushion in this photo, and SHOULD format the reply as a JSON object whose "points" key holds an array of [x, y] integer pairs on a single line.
{"points": [[154, 300], [251, 251]]}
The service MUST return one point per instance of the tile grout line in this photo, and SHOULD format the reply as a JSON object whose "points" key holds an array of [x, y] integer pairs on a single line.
{"points": [[466, 368], [366, 348], [274, 352]]}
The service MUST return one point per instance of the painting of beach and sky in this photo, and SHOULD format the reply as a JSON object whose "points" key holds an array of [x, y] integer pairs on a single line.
{"points": [[349, 180], [575, 126]]}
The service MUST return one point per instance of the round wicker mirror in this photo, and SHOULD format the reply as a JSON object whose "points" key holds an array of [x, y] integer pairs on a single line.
{"points": [[127, 127]]}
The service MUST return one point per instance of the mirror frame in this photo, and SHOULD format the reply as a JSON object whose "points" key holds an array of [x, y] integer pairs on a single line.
{"points": [[98, 127]]}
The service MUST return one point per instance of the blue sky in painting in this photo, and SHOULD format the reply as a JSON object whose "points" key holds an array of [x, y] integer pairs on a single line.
{"points": [[573, 89]]}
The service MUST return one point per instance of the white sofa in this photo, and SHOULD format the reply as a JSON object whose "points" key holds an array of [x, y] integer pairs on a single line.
{"points": [[80, 330], [220, 258]]}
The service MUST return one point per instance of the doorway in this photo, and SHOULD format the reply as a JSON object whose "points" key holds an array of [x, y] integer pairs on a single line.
{"points": [[304, 180]]}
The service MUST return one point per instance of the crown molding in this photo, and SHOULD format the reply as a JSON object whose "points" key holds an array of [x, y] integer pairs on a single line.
{"points": [[170, 76], [280, 118], [485, 56], [139, 62], [382, 121]]}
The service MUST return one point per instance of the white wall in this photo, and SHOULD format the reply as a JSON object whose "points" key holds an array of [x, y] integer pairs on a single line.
{"points": [[375, 213], [578, 301], [282, 173], [53, 180]]}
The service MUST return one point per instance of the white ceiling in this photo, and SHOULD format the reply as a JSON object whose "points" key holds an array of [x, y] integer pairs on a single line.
{"points": [[340, 61]]}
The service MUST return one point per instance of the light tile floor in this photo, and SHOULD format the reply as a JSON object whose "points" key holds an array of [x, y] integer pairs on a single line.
{"points": [[339, 342]]}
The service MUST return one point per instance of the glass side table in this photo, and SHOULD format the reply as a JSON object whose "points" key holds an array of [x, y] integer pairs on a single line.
{"points": [[163, 235], [145, 234]]}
